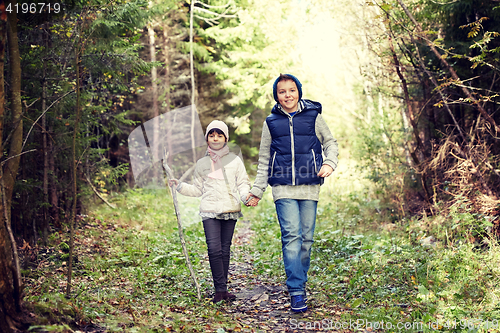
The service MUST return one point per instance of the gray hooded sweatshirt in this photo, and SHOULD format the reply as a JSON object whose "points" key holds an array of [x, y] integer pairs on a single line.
{"points": [[299, 192]]}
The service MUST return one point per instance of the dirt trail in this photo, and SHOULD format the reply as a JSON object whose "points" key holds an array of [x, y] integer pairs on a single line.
{"points": [[263, 303]]}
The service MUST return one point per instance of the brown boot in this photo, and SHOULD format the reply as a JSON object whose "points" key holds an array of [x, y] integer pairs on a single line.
{"points": [[219, 296], [229, 297]]}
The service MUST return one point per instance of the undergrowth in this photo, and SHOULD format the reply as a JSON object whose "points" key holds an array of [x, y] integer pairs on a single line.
{"points": [[131, 276], [386, 276]]}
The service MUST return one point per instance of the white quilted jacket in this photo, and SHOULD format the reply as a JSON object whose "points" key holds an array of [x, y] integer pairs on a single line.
{"points": [[217, 196]]}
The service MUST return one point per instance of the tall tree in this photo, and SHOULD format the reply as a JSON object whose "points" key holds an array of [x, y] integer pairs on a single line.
{"points": [[16, 140], [10, 276]]}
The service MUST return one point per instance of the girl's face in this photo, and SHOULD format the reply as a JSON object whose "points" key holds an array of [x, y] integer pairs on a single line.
{"points": [[288, 95], [216, 141]]}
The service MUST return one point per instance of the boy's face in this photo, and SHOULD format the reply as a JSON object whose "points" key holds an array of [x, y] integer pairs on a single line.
{"points": [[288, 95], [216, 141]]}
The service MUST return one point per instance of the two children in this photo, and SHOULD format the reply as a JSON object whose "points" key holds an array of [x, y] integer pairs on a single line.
{"points": [[294, 139]]}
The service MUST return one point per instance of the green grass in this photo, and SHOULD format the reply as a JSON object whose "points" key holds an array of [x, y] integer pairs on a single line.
{"points": [[383, 274], [131, 274]]}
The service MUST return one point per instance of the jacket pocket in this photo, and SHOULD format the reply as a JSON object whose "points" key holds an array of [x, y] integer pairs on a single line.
{"points": [[272, 164]]}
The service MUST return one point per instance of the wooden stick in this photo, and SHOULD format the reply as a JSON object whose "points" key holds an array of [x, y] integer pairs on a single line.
{"points": [[98, 194], [168, 176]]}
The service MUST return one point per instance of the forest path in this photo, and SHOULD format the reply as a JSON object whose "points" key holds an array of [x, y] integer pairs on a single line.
{"points": [[121, 287], [264, 302]]}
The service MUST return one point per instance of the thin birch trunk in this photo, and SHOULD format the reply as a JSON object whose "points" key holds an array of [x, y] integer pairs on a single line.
{"points": [[193, 87], [167, 88]]}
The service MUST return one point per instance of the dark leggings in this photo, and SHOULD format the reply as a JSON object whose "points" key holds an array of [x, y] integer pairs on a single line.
{"points": [[219, 234]]}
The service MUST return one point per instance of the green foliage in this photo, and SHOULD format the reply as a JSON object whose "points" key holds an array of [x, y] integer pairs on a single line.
{"points": [[403, 155], [460, 224], [379, 148], [106, 37], [385, 275], [388, 279], [131, 271], [240, 49]]}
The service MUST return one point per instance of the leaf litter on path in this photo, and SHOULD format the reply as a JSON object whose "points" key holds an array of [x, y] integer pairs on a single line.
{"points": [[264, 304]]}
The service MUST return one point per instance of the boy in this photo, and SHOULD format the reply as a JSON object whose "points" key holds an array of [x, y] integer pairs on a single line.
{"points": [[294, 137]]}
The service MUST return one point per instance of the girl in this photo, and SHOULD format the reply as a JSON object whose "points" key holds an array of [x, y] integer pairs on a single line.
{"points": [[218, 178]]}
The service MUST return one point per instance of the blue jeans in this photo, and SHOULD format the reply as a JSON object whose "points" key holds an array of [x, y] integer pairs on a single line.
{"points": [[297, 220]]}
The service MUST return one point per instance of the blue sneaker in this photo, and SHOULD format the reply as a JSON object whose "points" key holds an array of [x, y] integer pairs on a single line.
{"points": [[298, 303]]}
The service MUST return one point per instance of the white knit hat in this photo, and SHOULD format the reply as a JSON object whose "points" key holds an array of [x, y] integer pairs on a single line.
{"points": [[219, 125]]}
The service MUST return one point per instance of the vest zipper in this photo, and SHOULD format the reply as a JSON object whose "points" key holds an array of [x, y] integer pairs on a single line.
{"points": [[314, 160], [293, 150], [272, 164]]}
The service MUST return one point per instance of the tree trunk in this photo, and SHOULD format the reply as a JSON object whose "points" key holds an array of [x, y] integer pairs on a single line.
{"points": [[154, 87], [10, 298], [12, 165], [452, 71], [45, 222], [74, 175], [404, 86], [53, 197], [3, 43], [154, 71], [193, 83], [166, 82]]}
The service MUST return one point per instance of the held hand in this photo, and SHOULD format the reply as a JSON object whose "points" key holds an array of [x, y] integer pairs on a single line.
{"points": [[251, 200], [173, 182], [325, 171]]}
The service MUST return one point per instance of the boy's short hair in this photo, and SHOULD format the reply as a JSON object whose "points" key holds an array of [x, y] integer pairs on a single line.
{"points": [[285, 77]]}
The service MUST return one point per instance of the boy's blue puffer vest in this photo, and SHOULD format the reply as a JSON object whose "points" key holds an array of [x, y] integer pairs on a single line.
{"points": [[296, 153]]}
